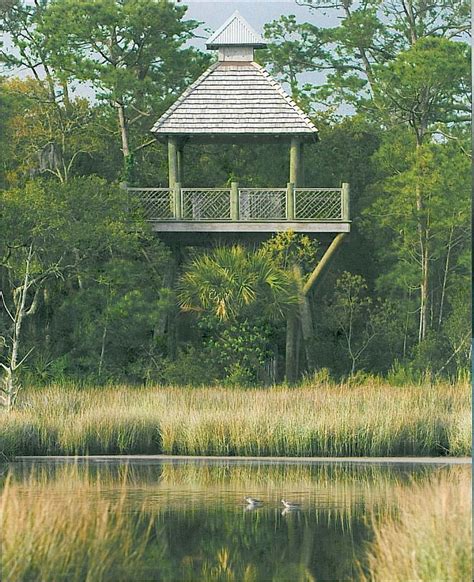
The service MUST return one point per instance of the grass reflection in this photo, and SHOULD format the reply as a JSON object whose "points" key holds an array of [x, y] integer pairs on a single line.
{"points": [[187, 521]]}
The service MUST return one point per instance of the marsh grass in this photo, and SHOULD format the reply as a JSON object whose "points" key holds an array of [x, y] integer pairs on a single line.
{"points": [[335, 488], [369, 420], [66, 537], [428, 537], [85, 522]]}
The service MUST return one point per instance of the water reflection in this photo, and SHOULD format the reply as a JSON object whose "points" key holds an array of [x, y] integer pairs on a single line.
{"points": [[205, 529]]}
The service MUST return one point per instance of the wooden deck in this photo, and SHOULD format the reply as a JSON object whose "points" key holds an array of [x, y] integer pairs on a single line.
{"points": [[244, 210]]}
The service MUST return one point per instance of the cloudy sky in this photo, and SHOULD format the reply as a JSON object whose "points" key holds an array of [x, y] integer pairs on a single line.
{"points": [[256, 12], [214, 14]]}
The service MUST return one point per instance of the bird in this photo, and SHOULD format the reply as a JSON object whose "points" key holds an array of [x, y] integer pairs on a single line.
{"points": [[290, 504], [253, 502]]}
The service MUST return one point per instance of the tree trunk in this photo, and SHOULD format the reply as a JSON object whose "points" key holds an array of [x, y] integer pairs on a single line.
{"points": [[306, 318], [123, 129], [424, 248], [290, 355], [10, 386], [445, 278]]}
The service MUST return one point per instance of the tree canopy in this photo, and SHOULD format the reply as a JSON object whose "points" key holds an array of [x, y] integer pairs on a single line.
{"points": [[105, 299]]}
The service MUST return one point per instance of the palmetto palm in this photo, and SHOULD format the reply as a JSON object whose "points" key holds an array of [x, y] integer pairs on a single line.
{"points": [[229, 279]]}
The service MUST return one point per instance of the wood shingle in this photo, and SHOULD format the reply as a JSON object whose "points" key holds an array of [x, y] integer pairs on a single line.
{"points": [[235, 99]]}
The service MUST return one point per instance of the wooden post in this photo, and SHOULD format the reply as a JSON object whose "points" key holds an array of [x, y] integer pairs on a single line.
{"points": [[177, 200], [180, 162], [306, 319], [290, 201], [346, 214], [323, 263], [234, 201], [290, 349], [301, 181], [172, 162], [295, 159]]}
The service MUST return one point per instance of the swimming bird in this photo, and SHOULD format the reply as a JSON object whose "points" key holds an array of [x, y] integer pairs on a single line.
{"points": [[290, 504], [253, 502]]}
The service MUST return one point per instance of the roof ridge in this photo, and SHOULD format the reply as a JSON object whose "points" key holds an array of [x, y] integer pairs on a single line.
{"points": [[184, 95], [284, 94]]}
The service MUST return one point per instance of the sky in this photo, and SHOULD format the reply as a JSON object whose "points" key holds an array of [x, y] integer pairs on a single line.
{"points": [[256, 12], [214, 14]]}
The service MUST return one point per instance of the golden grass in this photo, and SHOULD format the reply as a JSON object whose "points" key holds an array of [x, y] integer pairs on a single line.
{"points": [[68, 537], [370, 420], [77, 523], [429, 537]]}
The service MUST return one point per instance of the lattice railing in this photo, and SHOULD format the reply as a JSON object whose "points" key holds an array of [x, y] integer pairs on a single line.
{"points": [[206, 203], [262, 204], [156, 203], [318, 204], [245, 204]]}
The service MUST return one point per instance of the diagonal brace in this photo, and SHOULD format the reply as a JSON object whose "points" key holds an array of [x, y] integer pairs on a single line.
{"points": [[323, 264]]}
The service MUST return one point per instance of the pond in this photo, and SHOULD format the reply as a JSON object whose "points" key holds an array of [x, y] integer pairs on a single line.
{"points": [[203, 529]]}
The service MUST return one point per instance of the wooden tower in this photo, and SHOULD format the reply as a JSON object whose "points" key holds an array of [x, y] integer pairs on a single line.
{"points": [[237, 101]]}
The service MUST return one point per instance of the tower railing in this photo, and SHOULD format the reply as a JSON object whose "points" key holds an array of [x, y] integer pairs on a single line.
{"points": [[243, 204]]}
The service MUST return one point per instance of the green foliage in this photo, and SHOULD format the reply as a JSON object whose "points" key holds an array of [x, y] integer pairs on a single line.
{"points": [[104, 299], [229, 281], [100, 310], [240, 296], [287, 249], [239, 350]]}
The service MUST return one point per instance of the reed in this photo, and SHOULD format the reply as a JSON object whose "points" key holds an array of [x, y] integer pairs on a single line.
{"points": [[319, 420], [68, 537], [429, 537]]}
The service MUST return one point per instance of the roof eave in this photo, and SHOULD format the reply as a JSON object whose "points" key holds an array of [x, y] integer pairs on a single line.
{"points": [[233, 137], [255, 45]]}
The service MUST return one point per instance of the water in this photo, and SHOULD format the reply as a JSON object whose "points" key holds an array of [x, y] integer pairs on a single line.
{"points": [[205, 530]]}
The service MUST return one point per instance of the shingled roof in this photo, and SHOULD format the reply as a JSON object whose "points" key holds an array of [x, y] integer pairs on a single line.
{"points": [[235, 98]]}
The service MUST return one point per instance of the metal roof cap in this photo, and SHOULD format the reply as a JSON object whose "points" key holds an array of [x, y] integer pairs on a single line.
{"points": [[235, 31]]}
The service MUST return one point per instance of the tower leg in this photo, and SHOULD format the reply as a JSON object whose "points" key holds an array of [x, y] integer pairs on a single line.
{"points": [[290, 350], [172, 161]]}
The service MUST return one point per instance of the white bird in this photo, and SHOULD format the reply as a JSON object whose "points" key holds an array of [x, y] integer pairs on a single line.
{"points": [[290, 504], [253, 502]]}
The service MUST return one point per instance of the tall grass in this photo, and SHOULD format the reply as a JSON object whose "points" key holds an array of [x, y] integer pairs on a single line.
{"points": [[69, 538], [429, 537], [323, 420]]}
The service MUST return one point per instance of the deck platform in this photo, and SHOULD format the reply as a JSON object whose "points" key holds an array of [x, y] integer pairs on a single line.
{"points": [[242, 211]]}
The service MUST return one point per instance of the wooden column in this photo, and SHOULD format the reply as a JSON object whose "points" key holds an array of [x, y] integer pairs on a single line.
{"points": [[172, 161], [295, 161], [290, 348], [180, 162], [290, 201], [301, 182], [234, 201], [306, 319], [346, 210], [177, 200]]}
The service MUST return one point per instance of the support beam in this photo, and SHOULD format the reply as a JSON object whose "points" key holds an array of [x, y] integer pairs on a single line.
{"points": [[346, 209], [290, 201], [234, 201], [323, 263], [178, 203], [301, 181], [180, 163], [295, 161], [172, 161], [290, 348], [306, 319]]}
